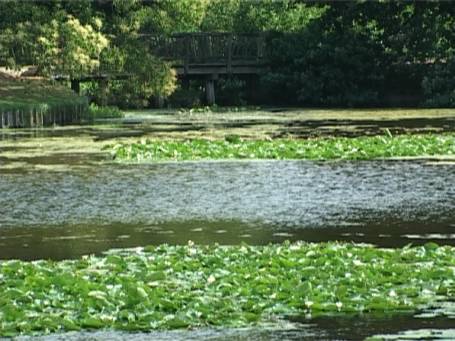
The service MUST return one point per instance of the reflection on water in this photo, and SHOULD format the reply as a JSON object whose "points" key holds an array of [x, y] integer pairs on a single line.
{"points": [[46, 214], [72, 241], [327, 328]]}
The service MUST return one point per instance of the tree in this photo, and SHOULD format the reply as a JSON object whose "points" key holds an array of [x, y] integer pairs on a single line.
{"points": [[67, 47]]}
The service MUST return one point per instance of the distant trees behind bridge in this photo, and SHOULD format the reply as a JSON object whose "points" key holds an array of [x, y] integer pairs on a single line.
{"points": [[319, 53]]}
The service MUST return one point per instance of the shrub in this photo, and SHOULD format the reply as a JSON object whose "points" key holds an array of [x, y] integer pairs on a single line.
{"points": [[185, 98], [231, 91], [439, 85], [96, 112]]}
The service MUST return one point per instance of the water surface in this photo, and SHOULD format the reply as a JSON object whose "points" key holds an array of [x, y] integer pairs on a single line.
{"points": [[64, 214], [59, 199]]}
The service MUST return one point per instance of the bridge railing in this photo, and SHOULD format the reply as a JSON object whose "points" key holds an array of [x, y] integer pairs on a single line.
{"points": [[208, 48], [185, 49]]}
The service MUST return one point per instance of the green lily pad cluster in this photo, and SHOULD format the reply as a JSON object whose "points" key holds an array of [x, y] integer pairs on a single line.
{"points": [[169, 287], [359, 148]]}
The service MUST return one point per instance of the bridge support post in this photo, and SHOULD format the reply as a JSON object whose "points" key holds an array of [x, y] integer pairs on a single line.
{"points": [[103, 91], [185, 83], [76, 86], [252, 88], [159, 101], [210, 89]]}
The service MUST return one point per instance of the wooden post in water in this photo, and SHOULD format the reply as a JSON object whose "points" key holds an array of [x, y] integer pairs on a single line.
{"points": [[76, 86], [252, 84], [103, 83], [210, 89], [10, 118], [186, 61], [31, 118], [229, 55]]}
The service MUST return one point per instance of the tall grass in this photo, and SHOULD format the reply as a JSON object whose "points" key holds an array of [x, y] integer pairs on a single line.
{"points": [[33, 103]]}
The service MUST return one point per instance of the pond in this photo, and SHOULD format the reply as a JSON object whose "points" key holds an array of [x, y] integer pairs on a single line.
{"points": [[64, 214], [61, 198]]}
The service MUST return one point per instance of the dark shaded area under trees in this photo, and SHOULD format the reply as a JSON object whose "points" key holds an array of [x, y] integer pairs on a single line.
{"points": [[375, 53]]}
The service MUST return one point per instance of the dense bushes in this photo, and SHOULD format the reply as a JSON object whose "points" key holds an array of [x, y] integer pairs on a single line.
{"points": [[365, 54], [231, 91], [97, 112], [331, 70], [322, 53], [186, 98], [439, 85]]}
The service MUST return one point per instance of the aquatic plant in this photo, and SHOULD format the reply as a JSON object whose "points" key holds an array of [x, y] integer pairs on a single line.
{"points": [[96, 112], [27, 103], [359, 148], [217, 109], [168, 287]]}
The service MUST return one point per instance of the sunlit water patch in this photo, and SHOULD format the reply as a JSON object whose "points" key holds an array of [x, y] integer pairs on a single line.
{"points": [[83, 210]]}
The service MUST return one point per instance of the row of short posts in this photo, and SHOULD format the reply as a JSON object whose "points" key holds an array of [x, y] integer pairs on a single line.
{"points": [[210, 89], [22, 119], [38, 118]]}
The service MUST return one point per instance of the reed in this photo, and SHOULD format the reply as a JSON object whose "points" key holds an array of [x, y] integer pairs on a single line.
{"points": [[36, 103]]}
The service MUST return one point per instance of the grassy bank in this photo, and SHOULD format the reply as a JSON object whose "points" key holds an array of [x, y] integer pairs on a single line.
{"points": [[359, 148], [25, 103], [169, 287]]}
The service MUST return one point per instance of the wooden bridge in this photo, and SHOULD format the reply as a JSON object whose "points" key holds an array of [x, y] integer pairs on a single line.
{"points": [[210, 55], [195, 55]]}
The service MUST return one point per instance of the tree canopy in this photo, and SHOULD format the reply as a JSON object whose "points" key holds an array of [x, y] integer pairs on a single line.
{"points": [[321, 52]]}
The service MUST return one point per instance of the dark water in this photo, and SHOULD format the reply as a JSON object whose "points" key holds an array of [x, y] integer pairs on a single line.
{"points": [[327, 328], [49, 214]]}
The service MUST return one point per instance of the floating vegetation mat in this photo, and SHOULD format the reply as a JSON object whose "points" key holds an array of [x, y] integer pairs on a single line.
{"points": [[359, 148], [170, 287]]}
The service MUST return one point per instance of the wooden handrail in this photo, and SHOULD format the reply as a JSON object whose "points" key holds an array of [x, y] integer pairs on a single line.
{"points": [[195, 48]]}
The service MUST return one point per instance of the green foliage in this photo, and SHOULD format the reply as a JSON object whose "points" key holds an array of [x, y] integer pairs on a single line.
{"points": [[70, 39], [170, 287], [439, 85], [185, 98], [321, 53], [351, 53], [231, 91], [254, 16], [149, 75], [16, 44], [50, 101], [67, 47], [360, 148], [96, 111], [325, 67], [169, 16]]}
